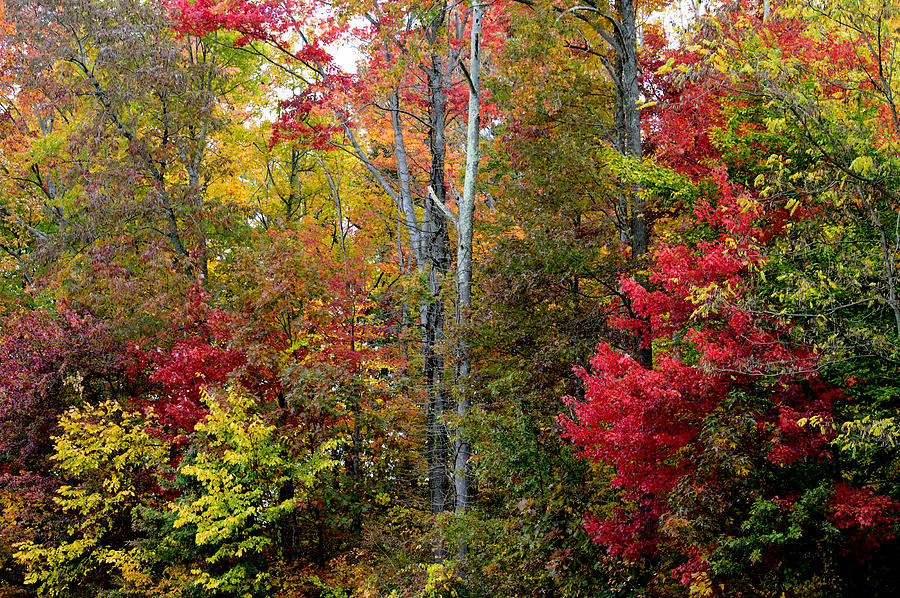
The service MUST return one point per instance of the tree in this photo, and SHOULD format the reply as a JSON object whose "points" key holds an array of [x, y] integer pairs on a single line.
{"points": [[465, 234], [118, 115], [401, 35], [718, 478], [720, 472], [108, 459], [50, 364], [239, 470], [616, 26]]}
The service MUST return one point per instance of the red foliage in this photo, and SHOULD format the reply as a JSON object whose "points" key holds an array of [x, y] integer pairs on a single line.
{"points": [[639, 421], [48, 364], [679, 127], [330, 98], [649, 424], [279, 23], [868, 518], [191, 364], [261, 19]]}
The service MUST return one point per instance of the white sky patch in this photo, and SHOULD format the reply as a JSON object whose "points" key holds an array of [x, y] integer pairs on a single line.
{"points": [[678, 16], [345, 55], [346, 52]]}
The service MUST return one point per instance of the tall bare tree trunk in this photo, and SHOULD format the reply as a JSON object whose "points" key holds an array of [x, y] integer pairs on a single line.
{"points": [[464, 257], [436, 248], [629, 119]]}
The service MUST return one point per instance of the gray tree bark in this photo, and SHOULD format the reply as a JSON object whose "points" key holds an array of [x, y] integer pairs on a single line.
{"points": [[464, 257], [436, 248], [628, 96]]}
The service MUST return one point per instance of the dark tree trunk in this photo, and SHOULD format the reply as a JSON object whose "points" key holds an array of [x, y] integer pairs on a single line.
{"points": [[628, 121], [436, 248]]}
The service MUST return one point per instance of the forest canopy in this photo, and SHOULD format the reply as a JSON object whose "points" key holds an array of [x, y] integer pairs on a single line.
{"points": [[540, 298]]}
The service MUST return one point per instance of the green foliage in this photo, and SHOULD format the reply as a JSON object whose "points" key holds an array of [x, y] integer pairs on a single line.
{"points": [[777, 533], [326, 590], [240, 468], [105, 453]]}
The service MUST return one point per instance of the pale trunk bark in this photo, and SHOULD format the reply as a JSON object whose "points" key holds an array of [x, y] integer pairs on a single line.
{"points": [[405, 200], [464, 257]]}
